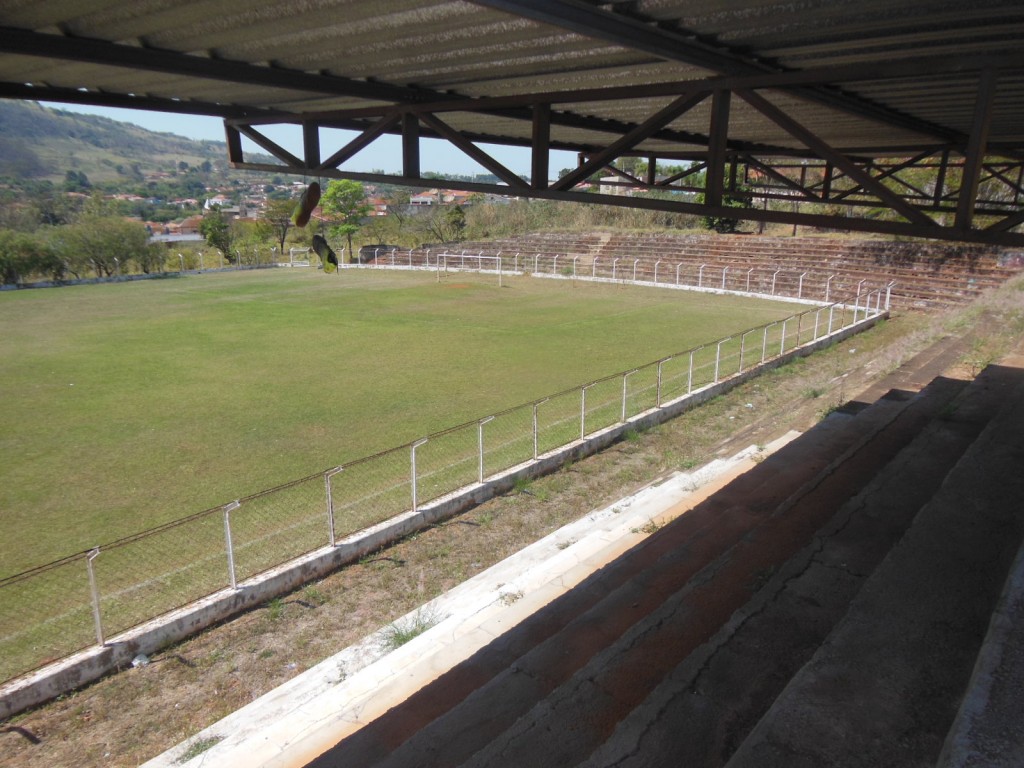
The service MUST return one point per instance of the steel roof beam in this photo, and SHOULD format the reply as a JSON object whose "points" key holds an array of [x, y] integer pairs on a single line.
{"points": [[102, 52], [590, 21]]}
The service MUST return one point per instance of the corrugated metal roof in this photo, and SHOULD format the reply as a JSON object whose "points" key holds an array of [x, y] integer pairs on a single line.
{"points": [[923, 59]]}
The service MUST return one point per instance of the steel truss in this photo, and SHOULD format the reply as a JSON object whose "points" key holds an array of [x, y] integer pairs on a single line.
{"points": [[951, 188]]}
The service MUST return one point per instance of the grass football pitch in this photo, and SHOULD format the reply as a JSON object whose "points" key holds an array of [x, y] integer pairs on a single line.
{"points": [[129, 405]]}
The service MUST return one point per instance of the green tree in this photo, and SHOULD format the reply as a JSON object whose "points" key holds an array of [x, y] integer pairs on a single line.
{"points": [[276, 221], [344, 206], [725, 224], [107, 244], [445, 224], [216, 230]]}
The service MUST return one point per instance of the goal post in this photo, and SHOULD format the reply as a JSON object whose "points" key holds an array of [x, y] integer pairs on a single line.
{"points": [[466, 262], [303, 257]]}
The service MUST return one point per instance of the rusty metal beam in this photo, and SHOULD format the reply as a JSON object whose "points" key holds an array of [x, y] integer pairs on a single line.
{"points": [[906, 229]]}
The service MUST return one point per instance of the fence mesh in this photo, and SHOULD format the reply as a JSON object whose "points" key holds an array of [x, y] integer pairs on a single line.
{"points": [[44, 616], [271, 528], [446, 462], [603, 404], [149, 575], [47, 613], [368, 492], [508, 440]]}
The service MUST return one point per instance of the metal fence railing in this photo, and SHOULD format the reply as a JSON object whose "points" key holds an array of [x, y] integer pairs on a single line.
{"points": [[52, 611]]}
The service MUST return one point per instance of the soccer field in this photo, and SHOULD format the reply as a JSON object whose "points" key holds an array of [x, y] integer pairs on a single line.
{"points": [[129, 405]]}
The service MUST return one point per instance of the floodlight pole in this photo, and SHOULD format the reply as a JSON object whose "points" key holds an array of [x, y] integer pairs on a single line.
{"points": [[775, 274], [800, 286], [700, 276], [748, 278], [828, 286]]}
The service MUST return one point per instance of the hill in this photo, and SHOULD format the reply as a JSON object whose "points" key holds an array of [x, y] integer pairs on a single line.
{"points": [[43, 143]]}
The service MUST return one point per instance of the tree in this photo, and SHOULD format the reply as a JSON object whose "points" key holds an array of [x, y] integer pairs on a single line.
{"points": [[725, 224], [446, 223], [105, 243], [216, 230], [344, 205], [276, 221]]}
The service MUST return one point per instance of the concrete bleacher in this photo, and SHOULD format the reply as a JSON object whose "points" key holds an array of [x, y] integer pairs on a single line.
{"points": [[856, 598], [923, 274]]}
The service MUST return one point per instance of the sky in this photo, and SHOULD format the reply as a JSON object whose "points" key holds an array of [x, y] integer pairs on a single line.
{"points": [[384, 154]]}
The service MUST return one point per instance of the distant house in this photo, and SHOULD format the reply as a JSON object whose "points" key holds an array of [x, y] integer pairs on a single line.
{"points": [[430, 197], [190, 226]]}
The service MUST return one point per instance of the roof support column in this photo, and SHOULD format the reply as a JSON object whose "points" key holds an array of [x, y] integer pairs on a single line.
{"points": [[718, 137], [410, 146], [541, 146], [311, 144], [975, 155]]}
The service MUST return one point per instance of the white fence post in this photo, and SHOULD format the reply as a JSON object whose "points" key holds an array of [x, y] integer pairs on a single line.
{"points": [[94, 590], [227, 541], [330, 504], [480, 443], [413, 448], [689, 378], [535, 407], [625, 376], [583, 410], [725, 271], [660, 363]]}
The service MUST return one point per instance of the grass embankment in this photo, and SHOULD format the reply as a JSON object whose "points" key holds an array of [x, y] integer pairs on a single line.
{"points": [[130, 405]]}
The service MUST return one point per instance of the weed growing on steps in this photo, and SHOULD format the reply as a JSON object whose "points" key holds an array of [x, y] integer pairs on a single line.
{"points": [[199, 746], [401, 632]]}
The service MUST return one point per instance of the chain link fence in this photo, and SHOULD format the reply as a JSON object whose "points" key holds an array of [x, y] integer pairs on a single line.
{"points": [[53, 611]]}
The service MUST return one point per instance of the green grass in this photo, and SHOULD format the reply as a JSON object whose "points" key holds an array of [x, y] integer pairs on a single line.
{"points": [[129, 405]]}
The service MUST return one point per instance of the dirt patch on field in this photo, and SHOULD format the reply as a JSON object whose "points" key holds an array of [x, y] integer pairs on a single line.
{"points": [[132, 716]]}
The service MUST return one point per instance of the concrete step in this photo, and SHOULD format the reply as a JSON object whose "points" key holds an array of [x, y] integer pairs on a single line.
{"points": [[885, 685], [585, 711], [702, 710], [987, 727], [475, 702]]}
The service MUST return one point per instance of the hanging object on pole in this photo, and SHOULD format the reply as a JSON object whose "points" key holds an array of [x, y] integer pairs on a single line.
{"points": [[308, 201], [328, 257]]}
